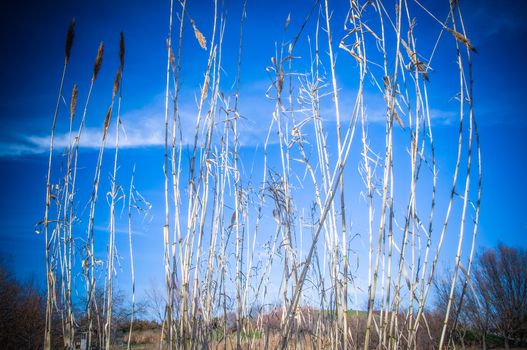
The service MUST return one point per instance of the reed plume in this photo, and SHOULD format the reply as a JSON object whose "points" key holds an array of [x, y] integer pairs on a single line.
{"points": [[462, 39], [199, 36], [73, 104], [107, 122], [121, 50], [98, 61], [69, 40], [117, 82], [50, 273]]}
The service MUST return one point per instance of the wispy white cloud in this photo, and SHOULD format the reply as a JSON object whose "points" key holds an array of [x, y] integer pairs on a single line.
{"points": [[121, 231], [144, 127], [442, 117], [376, 109], [15, 149]]}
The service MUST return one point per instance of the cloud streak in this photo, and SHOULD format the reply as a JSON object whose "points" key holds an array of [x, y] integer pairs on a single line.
{"points": [[145, 127]]}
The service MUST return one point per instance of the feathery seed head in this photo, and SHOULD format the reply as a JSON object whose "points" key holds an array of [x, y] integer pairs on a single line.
{"points": [[121, 50], [462, 39], [199, 36], [98, 61], [117, 82], [171, 55], [107, 123], [73, 104], [69, 39]]}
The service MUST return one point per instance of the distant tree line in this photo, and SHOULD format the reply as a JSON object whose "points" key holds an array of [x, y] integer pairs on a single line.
{"points": [[490, 307], [22, 313], [490, 301]]}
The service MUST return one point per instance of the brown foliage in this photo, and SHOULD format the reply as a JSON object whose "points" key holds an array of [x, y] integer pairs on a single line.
{"points": [[22, 314]]}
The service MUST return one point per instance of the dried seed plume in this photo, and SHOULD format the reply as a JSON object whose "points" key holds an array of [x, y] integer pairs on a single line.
{"points": [[107, 123], [98, 61], [199, 36], [462, 39], [73, 104], [69, 39], [121, 50], [172, 60], [117, 82]]}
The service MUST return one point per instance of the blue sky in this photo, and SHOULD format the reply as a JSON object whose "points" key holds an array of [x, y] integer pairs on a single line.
{"points": [[32, 38]]}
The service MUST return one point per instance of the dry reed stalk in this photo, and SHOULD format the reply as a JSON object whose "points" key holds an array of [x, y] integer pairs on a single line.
{"points": [[409, 227], [132, 270], [421, 107], [67, 218], [90, 242], [49, 272], [73, 159], [342, 295], [198, 198], [463, 89], [334, 183], [389, 95], [93, 202], [206, 173], [114, 192], [469, 87], [168, 310]]}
